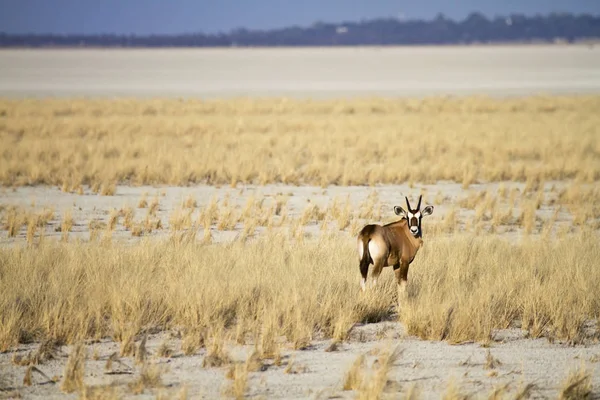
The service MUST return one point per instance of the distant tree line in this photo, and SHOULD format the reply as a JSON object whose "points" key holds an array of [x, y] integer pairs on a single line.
{"points": [[476, 28]]}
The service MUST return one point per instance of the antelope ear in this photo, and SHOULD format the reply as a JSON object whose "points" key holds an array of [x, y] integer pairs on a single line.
{"points": [[400, 211], [427, 211]]}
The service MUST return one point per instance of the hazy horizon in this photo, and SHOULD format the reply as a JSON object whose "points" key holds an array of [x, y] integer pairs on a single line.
{"points": [[144, 17]]}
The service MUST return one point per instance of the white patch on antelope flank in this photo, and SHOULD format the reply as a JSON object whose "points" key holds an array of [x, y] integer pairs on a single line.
{"points": [[360, 249], [375, 251]]}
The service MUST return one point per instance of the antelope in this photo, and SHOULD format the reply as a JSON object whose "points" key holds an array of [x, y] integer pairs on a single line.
{"points": [[393, 244]]}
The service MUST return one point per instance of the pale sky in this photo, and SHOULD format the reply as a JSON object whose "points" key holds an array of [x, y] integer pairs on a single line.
{"points": [[212, 16]]}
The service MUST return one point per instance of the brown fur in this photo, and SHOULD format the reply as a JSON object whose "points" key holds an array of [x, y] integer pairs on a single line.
{"points": [[394, 244], [400, 246]]}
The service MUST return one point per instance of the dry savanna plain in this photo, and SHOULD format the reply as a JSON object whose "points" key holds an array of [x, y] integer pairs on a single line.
{"points": [[177, 248]]}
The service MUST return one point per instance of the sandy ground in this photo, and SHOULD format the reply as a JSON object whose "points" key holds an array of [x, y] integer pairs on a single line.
{"points": [[305, 72], [430, 366], [89, 206]]}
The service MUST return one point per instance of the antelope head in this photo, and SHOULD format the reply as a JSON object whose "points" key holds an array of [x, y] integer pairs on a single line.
{"points": [[413, 216]]}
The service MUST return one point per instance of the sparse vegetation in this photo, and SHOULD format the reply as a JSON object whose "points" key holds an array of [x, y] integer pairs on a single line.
{"points": [[274, 284]]}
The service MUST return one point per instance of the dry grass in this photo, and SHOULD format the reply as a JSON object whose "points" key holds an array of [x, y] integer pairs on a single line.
{"points": [[577, 385], [128, 214], [14, 221], [354, 376], [66, 225], [154, 206], [216, 355], [454, 392], [190, 202], [460, 288], [164, 350], [491, 362], [48, 350], [375, 381], [108, 189], [143, 203], [471, 139], [572, 208], [239, 384], [150, 377], [100, 392], [28, 378], [74, 370], [470, 285]]}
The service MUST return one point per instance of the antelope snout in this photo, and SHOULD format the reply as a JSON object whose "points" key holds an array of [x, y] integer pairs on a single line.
{"points": [[414, 230]]}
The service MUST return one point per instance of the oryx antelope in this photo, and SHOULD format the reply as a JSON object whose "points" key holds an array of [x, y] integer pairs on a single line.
{"points": [[393, 244]]}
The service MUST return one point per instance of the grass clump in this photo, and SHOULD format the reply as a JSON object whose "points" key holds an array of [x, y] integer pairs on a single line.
{"points": [[577, 385], [279, 289], [74, 370]]}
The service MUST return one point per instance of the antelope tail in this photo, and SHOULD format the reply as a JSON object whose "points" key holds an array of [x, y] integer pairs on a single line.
{"points": [[366, 257], [365, 260]]}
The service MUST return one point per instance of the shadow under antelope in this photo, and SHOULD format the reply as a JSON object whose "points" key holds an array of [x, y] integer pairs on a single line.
{"points": [[393, 244]]}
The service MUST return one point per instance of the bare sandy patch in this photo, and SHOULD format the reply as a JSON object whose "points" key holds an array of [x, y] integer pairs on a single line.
{"points": [[511, 365]]}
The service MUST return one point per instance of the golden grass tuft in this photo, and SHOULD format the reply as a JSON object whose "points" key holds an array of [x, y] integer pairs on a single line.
{"points": [[32, 225], [180, 219], [141, 353], [100, 392], [210, 214], [28, 377], [192, 341], [373, 386], [354, 376], [150, 378], [524, 391], [128, 214], [154, 206], [66, 225], [14, 221], [527, 218], [341, 212], [239, 375], [74, 370], [190, 202], [47, 350], [449, 221], [216, 355], [227, 219], [577, 385], [108, 189], [143, 203], [164, 350], [453, 392], [113, 220], [491, 362]]}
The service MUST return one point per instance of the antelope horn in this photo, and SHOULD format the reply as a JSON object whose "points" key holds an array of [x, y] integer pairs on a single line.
{"points": [[419, 205], [407, 203]]}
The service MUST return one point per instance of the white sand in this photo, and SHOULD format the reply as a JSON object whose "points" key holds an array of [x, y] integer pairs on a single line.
{"points": [[306, 72], [432, 366]]}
